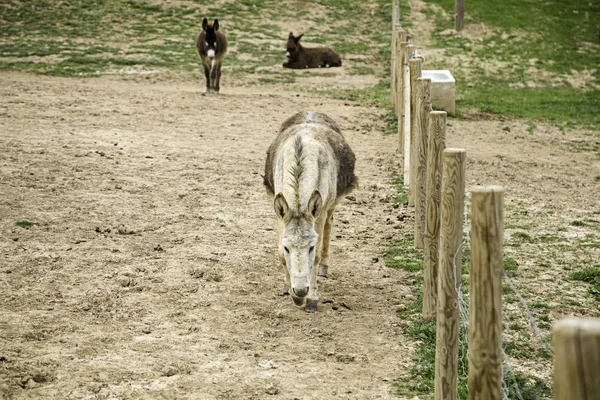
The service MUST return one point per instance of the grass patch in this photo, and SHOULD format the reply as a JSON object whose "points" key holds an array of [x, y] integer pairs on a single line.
{"points": [[402, 255], [99, 37], [26, 224], [521, 237], [535, 60], [510, 266], [419, 380], [401, 191], [589, 275]]}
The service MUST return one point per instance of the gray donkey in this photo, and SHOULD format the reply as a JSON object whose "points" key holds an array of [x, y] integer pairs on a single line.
{"points": [[211, 47], [309, 168]]}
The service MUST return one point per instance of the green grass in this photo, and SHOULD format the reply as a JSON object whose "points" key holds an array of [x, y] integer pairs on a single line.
{"points": [[420, 378], [26, 224], [590, 275], [401, 254], [522, 65], [96, 37], [401, 191]]}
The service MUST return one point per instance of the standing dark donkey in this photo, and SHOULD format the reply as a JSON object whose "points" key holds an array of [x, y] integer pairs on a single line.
{"points": [[300, 57], [211, 47]]}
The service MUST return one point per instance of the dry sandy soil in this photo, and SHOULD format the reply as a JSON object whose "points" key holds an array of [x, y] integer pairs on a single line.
{"points": [[153, 270]]}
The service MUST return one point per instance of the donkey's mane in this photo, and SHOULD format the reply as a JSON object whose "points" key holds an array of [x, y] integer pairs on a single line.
{"points": [[297, 169]]}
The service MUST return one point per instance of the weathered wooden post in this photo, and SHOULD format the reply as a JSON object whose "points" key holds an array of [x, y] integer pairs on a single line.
{"points": [[447, 321], [436, 139], [459, 15], [485, 303], [400, 59], [422, 109], [415, 65], [393, 80], [395, 43], [407, 51], [398, 36], [395, 12], [576, 359]]}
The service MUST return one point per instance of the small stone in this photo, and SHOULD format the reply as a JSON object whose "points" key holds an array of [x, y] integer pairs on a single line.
{"points": [[146, 330], [272, 390], [170, 371]]}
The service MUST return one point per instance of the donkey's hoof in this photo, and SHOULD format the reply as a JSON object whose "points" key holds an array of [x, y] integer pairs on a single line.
{"points": [[286, 290], [311, 306], [323, 270], [299, 301]]}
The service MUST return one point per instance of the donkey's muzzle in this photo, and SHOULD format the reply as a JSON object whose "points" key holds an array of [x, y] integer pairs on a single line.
{"points": [[210, 53], [300, 292]]}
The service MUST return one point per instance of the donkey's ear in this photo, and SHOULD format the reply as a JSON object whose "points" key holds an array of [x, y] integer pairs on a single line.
{"points": [[281, 206], [291, 36], [204, 24], [315, 204], [297, 39], [216, 24]]}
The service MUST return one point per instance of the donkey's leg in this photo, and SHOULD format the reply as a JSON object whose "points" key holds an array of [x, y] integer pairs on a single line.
{"points": [[207, 75], [312, 298], [324, 265], [286, 286], [213, 74], [218, 80]]}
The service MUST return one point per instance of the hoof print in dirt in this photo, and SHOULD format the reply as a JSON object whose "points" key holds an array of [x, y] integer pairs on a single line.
{"points": [[311, 306], [299, 301], [285, 290], [323, 270]]}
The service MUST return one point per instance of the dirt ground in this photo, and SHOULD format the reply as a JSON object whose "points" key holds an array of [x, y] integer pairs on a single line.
{"points": [[151, 271]]}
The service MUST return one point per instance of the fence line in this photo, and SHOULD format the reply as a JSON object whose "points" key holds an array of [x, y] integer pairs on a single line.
{"points": [[421, 140]]}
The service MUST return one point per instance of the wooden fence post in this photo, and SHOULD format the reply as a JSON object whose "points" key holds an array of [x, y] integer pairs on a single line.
{"points": [[393, 83], [398, 36], [448, 319], [422, 109], [576, 359], [415, 65], [485, 302], [436, 139], [400, 58], [459, 15], [407, 51], [395, 12]]}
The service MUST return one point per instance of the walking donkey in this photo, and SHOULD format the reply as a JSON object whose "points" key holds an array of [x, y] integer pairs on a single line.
{"points": [[309, 168], [211, 47]]}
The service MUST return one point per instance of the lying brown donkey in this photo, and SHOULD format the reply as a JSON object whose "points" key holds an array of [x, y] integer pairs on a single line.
{"points": [[211, 47], [300, 57]]}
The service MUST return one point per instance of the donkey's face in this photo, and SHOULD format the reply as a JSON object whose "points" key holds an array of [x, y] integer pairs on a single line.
{"points": [[210, 37], [293, 46], [298, 242]]}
